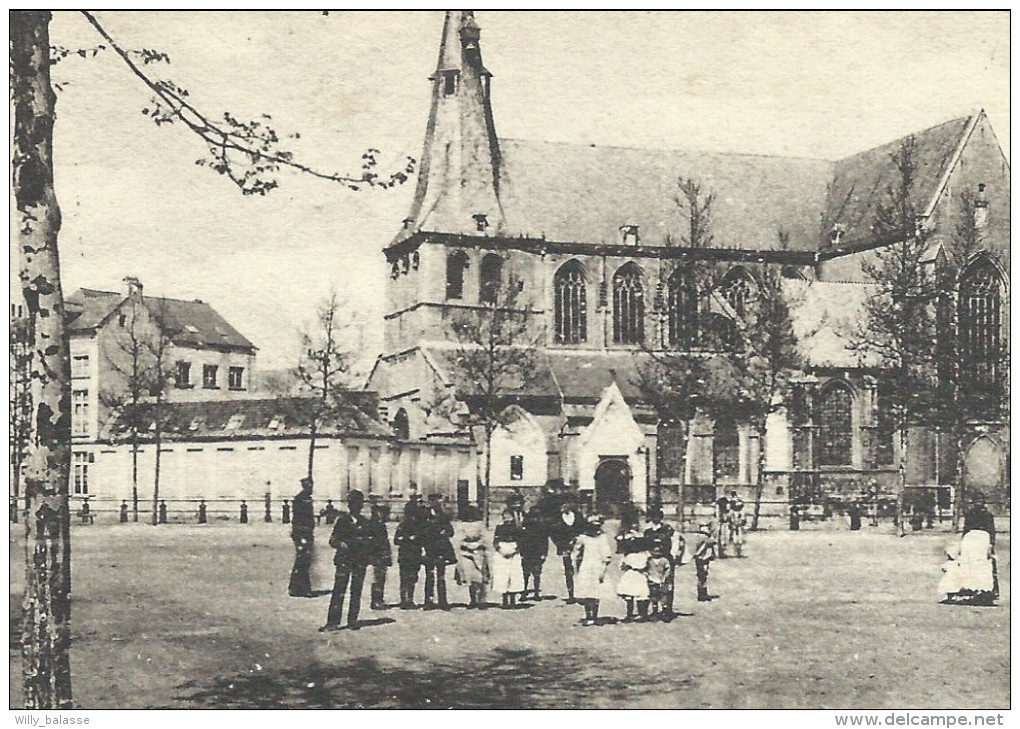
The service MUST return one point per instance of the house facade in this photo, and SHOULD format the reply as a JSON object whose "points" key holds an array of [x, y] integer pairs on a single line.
{"points": [[118, 340], [593, 242]]}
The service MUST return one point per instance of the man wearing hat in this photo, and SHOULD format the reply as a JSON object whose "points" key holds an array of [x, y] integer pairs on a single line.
{"points": [[704, 553], [352, 540], [302, 532]]}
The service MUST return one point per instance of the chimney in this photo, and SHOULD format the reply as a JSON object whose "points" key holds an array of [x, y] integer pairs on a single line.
{"points": [[134, 287]]}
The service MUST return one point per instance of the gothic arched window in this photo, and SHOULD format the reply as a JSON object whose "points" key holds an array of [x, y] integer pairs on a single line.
{"points": [[980, 330], [571, 304], [726, 451], [490, 279], [738, 289], [835, 426], [456, 262], [682, 309], [401, 425], [628, 306]]}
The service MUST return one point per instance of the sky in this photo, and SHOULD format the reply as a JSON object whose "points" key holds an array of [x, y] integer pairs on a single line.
{"points": [[134, 203]]}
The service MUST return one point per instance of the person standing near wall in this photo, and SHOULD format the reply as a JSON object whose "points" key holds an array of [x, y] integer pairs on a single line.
{"points": [[564, 531], [381, 555], [302, 532], [437, 531]]}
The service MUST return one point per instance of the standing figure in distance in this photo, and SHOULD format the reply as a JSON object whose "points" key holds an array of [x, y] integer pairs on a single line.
{"points": [[591, 555], [564, 531], [722, 520], [302, 532], [381, 554], [533, 542], [472, 559], [663, 537], [351, 538], [737, 524], [408, 539], [704, 553], [437, 531], [507, 573]]}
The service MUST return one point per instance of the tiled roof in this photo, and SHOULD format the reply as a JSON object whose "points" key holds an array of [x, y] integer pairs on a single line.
{"points": [[194, 323], [861, 182], [824, 315], [255, 418], [584, 194]]}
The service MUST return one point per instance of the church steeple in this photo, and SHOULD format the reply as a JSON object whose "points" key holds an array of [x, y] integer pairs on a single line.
{"points": [[458, 181]]}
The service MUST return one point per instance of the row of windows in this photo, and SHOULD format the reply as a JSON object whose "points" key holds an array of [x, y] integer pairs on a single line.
{"points": [[490, 277], [210, 376]]}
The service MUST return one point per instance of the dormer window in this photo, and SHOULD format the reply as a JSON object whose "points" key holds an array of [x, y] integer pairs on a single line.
{"points": [[235, 421], [481, 221], [836, 234], [449, 82], [276, 422], [630, 234]]}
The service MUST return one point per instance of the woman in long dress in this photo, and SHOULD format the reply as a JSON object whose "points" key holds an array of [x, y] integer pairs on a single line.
{"points": [[591, 555], [507, 572], [969, 575]]}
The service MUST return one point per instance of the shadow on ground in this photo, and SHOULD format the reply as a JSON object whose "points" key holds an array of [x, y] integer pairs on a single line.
{"points": [[505, 679]]}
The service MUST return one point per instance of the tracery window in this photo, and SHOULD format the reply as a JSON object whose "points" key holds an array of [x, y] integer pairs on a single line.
{"points": [[682, 309], [571, 304], [980, 335], [628, 306], [738, 289], [835, 427]]}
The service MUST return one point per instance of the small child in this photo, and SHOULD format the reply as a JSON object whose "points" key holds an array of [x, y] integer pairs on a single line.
{"points": [[659, 569], [633, 585], [473, 561]]}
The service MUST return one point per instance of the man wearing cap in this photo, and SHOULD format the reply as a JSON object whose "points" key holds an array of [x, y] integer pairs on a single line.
{"points": [[704, 553], [302, 532], [662, 535], [352, 540]]}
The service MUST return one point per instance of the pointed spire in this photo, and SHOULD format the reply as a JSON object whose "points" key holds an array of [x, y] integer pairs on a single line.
{"points": [[458, 181]]}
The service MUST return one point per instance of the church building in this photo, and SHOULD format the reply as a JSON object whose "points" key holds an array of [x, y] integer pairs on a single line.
{"points": [[592, 241]]}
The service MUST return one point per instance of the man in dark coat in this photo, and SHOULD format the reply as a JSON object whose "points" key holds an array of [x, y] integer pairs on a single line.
{"points": [[533, 545], [382, 555], [352, 540], [437, 530], [564, 531], [979, 518], [302, 532]]}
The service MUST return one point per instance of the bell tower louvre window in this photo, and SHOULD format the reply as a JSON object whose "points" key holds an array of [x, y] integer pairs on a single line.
{"points": [[628, 306], [456, 262], [490, 279], [571, 304]]}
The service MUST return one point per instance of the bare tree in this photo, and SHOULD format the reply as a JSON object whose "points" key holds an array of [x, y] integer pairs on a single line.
{"points": [[765, 359], [495, 359], [899, 330], [46, 609], [326, 363], [161, 378]]}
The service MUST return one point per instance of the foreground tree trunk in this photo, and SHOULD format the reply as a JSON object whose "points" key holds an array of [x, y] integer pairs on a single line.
{"points": [[45, 636]]}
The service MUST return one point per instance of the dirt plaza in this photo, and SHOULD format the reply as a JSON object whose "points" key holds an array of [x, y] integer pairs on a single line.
{"points": [[197, 616]]}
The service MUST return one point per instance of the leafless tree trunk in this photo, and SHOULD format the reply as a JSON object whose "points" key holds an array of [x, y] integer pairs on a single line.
{"points": [[46, 609]]}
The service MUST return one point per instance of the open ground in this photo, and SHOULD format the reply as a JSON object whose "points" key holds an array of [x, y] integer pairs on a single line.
{"points": [[198, 616]]}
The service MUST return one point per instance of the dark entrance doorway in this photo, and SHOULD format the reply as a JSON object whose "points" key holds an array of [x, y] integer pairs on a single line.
{"points": [[612, 486]]}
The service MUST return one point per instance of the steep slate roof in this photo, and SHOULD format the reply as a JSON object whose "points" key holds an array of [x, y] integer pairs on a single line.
{"points": [[861, 181], [583, 194], [824, 315], [89, 308], [251, 418]]}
